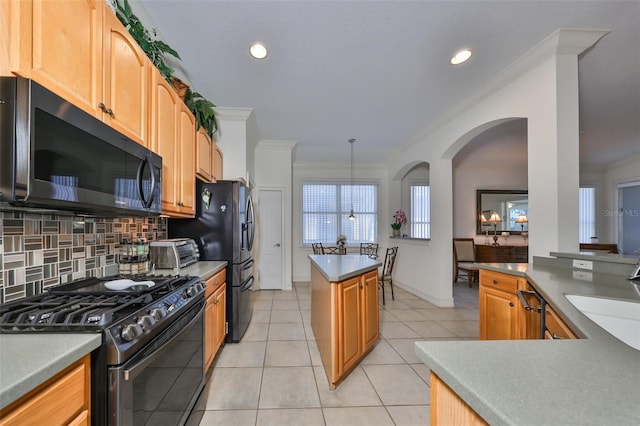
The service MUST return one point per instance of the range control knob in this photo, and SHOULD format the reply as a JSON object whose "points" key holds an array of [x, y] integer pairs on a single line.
{"points": [[158, 313], [130, 332], [146, 322], [194, 289]]}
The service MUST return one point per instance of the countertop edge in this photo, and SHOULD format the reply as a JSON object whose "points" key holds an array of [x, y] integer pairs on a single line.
{"points": [[486, 374], [350, 265], [23, 377]]}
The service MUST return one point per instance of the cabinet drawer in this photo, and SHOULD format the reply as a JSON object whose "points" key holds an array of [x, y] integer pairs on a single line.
{"points": [[215, 281], [556, 328], [504, 282]]}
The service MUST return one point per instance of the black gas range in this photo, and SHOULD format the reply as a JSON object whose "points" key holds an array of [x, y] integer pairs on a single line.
{"points": [[149, 368]]}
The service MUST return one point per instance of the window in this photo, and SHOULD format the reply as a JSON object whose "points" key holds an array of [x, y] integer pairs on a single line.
{"points": [[587, 214], [420, 219], [326, 208]]}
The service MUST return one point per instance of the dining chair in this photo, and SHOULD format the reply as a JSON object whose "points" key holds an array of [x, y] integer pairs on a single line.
{"points": [[387, 270], [464, 257], [334, 250], [369, 249], [317, 248]]}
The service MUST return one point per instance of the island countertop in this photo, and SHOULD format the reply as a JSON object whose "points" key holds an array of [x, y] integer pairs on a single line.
{"points": [[340, 267], [590, 381]]}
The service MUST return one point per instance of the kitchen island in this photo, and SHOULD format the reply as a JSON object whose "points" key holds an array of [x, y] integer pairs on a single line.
{"points": [[344, 311], [593, 380]]}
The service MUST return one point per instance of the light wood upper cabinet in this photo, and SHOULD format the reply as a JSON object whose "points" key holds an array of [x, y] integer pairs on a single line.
{"points": [[80, 51], [204, 156], [61, 48], [208, 158], [187, 167], [173, 138], [217, 162], [126, 81]]}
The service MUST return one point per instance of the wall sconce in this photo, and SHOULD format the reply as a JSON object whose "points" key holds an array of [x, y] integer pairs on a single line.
{"points": [[494, 219]]}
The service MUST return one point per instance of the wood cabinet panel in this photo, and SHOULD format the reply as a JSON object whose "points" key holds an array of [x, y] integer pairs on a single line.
{"points": [[204, 156], [173, 138], [187, 160], [66, 49], [217, 162], [502, 254], [345, 321], [556, 328], [502, 316], [349, 324], [126, 81], [64, 399], [447, 408], [80, 51], [215, 316], [371, 310]]}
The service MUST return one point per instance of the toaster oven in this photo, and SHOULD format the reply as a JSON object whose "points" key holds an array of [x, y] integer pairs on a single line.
{"points": [[173, 253]]}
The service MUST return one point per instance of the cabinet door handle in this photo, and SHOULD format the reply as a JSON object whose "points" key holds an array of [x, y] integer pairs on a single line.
{"points": [[360, 285], [511, 304], [110, 112], [495, 281], [102, 106]]}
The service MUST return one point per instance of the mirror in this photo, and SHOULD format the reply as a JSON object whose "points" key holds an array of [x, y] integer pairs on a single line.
{"points": [[509, 204]]}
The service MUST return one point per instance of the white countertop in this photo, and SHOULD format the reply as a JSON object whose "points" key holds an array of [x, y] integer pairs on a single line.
{"points": [[591, 381], [337, 268]]}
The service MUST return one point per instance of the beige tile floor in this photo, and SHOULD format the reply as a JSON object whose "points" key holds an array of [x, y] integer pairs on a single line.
{"points": [[274, 376]]}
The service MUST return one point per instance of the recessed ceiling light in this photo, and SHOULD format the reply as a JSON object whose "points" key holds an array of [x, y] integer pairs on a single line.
{"points": [[460, 57], [258, 51]]}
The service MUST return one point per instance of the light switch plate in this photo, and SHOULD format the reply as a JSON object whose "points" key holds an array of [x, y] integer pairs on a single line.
{"points": [[585, 265]]}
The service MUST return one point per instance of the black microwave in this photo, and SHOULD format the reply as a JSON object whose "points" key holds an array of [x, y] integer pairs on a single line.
{"points": [[54, 155]]}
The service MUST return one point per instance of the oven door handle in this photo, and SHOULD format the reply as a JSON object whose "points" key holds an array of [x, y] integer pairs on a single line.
{"points": [[131, 372], [525, 303]]}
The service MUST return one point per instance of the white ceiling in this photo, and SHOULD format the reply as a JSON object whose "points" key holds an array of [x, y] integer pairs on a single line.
{"points": [[379, 71]]}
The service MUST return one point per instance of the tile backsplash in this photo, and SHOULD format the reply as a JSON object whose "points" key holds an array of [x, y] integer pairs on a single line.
{"points": [[38, 251]]}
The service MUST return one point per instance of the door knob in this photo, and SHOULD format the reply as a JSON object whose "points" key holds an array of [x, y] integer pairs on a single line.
{"points": [[276, 245]]}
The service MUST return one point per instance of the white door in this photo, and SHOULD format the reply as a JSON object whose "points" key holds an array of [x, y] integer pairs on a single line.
{"points": [[270, 216]]}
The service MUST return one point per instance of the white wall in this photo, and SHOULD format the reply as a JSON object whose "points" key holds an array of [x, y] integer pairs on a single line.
{"points": [[541, 87], [235, 138], [332, 172]]}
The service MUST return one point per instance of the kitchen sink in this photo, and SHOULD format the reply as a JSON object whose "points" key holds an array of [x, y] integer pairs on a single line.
{"points": [[621, 318]]}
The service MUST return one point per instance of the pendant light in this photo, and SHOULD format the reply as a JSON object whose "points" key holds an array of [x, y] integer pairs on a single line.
{"points": [[351, 215]]}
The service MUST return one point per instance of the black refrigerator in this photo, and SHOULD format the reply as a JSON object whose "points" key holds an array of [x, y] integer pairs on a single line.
{"points": [[224, 228]]}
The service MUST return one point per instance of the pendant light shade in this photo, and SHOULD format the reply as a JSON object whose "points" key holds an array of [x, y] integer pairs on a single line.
{"points": [[351, 215]]}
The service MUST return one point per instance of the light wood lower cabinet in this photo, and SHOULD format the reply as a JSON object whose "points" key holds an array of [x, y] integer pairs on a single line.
{"points": [[556, 328], [447, 408], [503, 317], [345, 321], [215, 316], [65, 399], [500, 310]]}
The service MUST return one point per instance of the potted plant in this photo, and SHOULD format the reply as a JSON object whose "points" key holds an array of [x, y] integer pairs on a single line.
{"points": [[399, 219], [203, 110], [152, 47]]}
